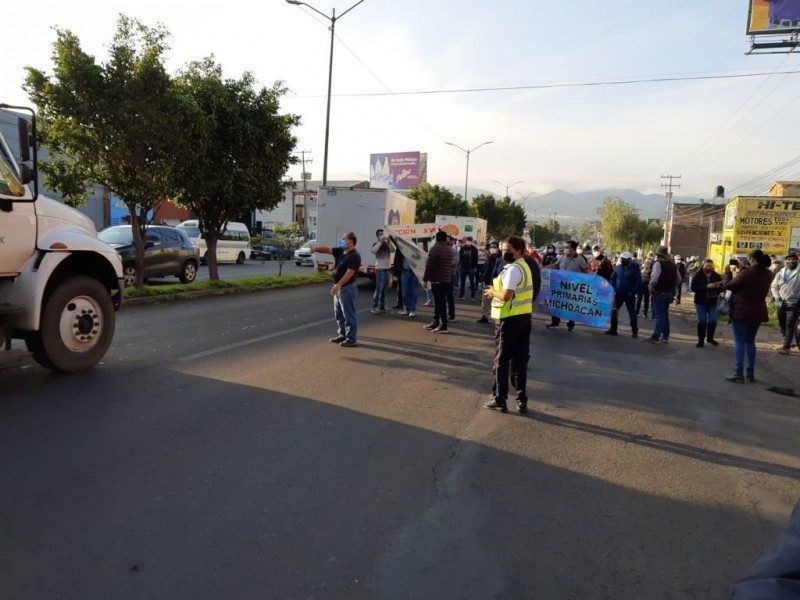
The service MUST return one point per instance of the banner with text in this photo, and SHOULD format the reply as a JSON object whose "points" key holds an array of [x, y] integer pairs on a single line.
{"points": [[413, 241], [578, 297]]}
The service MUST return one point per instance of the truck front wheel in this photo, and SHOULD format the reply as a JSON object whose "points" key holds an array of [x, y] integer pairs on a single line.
{"points": [[77, 326]]}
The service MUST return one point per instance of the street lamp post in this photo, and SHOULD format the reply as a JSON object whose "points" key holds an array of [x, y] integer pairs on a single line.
{"points": [[467, 152], [501, 184], [333, 18]]}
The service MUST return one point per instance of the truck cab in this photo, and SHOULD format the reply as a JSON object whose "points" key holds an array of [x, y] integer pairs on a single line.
{"points": [[60, 286]]}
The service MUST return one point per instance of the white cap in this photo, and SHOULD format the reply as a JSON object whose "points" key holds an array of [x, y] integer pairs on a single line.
{"points": [[626, 255]]}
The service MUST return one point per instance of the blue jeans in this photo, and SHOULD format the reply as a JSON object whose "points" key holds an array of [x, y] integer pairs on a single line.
{"points": [[344, 309], [661, 301], [706, 315], [410, 290], [744, 342], [381, 280]]}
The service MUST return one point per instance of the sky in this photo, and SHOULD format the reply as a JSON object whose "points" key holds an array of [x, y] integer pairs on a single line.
{"points": [[721, 131]]}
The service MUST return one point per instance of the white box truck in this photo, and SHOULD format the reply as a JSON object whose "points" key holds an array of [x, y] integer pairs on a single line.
{"points": [[362, 211], [59, 285], [462, 227]]}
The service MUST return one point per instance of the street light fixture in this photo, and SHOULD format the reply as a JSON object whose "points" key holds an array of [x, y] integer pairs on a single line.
{"points": [[333, 18], [501, 184], [467, 152]]}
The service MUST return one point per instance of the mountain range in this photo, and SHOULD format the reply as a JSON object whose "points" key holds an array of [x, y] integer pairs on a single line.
{"points": [[584, 205]]}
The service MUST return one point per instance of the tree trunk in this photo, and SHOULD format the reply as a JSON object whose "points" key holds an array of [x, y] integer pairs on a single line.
{"points": [[138, 244], [211, 258]]}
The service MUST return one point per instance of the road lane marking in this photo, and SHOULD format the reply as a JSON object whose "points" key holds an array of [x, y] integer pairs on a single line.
{"points": [[258, 339]]}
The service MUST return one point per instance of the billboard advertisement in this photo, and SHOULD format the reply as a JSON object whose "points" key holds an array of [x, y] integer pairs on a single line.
{"points": [[397, 171], [767, 17]]}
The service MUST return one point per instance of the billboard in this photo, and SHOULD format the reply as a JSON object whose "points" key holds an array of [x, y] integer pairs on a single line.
{"points": [[397, 171], [767, 17]]}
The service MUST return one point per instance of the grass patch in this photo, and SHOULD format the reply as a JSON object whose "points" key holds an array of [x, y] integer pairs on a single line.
{"points": [[219, 288]]}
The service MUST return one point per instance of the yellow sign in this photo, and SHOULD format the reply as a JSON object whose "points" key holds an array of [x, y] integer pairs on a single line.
{"points": [[762, 223]]}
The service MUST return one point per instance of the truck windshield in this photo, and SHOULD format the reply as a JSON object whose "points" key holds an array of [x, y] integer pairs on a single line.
{"points": [[10, 184]]}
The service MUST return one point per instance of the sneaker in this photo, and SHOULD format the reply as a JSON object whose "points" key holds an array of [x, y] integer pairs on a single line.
{"points": [[429, 327], [404, 312], [338, 339], [461, 297], [382, 309], [783, 350], [375, 311], [451, 319], [495, 405], [611, 332], [428, 303], [635, 333], [653, 340], [522, 407], [665, 341], [551, 326], [412, 314], [472, 299], [570, 328], [482, 320], [348, 344], [439, 330]]}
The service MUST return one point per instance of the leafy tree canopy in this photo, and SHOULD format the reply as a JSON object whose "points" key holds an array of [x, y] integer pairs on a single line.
{"points": [[121, 123], [242, 149], [435, 200], [504, 217]]}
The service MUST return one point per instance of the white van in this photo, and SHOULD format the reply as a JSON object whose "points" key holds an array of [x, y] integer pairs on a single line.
{"points": [[233, 244]]}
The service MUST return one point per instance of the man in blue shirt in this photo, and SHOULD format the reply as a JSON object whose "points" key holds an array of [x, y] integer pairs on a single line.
{"points": [[344, 290]]}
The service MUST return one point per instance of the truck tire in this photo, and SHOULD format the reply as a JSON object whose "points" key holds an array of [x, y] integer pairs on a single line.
{"points": [[241, 258], [188, 272], [77, 326]]}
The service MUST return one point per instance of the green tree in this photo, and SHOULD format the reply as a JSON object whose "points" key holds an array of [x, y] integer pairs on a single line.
{"points": [[503, 217], [287, 238], [435, 200], [620, 223], [120, 124], [242, 149]]}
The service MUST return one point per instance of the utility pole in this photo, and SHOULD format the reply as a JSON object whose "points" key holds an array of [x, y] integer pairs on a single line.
{"points": [[668, 185], [304, 226]]}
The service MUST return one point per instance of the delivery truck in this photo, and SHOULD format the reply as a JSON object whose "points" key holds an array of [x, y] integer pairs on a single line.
{"points": [[362, 211], [59, 285], [464, 227]]}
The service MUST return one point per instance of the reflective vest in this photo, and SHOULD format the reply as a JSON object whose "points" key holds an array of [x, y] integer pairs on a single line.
{"points": [[522, 301]]}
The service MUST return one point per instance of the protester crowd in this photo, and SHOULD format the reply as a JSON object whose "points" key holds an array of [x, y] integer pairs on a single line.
{"points": [[499, 274]]}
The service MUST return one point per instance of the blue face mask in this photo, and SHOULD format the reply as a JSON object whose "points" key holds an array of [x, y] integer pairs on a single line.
{"points": [[342, 244]]}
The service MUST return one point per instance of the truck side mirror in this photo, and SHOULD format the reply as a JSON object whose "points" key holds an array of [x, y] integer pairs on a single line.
{"points": [[24, 141]]}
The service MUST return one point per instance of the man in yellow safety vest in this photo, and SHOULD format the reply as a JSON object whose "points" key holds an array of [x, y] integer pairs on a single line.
{"points": [[511, 294]]}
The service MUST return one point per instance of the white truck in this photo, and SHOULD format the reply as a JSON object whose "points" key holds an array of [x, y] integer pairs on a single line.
{"points": [[462, 227], [59, 285], [362, 211]]}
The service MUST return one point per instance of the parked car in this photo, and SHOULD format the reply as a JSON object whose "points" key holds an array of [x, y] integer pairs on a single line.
{"points": [[270, 252], [304, 256], [168, 252]]}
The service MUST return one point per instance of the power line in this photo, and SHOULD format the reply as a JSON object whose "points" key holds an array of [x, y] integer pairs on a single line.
{"points": [[542, 86], [740, 107]]}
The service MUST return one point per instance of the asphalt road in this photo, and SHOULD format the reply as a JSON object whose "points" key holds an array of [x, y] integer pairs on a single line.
{"points": [[225, 449], [250, 268]]}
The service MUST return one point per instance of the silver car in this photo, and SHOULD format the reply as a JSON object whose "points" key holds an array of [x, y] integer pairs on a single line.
{"points": [[304, 256]]}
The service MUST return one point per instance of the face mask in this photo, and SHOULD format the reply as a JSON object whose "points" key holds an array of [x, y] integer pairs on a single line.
{"points": [[596, 254], [342, 244], [492, 250], [508, 257], [791, 264], [468, 243]]}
